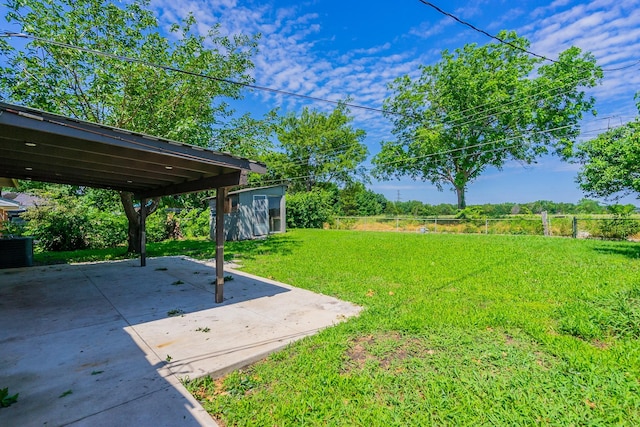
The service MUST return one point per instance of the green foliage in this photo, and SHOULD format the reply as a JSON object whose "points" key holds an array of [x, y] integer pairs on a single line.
{"points": [[611, 162], [105, 229], [621, 225], [319, 148], [309, 209], [174, 313], [471, 212], [481, 106], [69, 220], [246, 136], [586, 206], [159, 227], [131, 94], [5, 399], [194, 223], [356, 200], [11, 228], [59, 225]]}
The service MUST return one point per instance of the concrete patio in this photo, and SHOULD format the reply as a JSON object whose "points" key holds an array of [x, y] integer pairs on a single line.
{"points": [[106, 344]]}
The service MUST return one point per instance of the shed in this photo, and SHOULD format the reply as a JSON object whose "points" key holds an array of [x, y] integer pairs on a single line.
{"points": [[252, 213]]}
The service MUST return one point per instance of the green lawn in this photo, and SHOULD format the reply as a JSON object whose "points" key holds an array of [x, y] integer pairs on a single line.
{"points": [[457, 330]]}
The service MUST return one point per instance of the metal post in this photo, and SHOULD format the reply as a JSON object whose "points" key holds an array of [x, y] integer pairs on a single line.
{"points": [[221, 195], [435, 225], [486, 226], [143, 232], [575, 227]]}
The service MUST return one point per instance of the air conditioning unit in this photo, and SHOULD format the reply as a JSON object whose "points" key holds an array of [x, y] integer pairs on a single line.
{"points": [[16, 252]]}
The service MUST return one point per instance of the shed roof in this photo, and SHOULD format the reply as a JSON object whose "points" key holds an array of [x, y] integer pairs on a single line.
{"points": [[250, 189], [40, 146]]}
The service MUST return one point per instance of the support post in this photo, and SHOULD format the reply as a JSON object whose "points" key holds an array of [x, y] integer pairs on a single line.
{"points": [[143, 232], [545, 223], [574, 227], [221, 195]]}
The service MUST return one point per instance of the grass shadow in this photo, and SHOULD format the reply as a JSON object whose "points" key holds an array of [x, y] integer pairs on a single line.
{"points": [[630, 250], [281, 244], [195, 248]]}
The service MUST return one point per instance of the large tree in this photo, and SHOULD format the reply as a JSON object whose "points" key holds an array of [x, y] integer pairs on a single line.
{"points": [[135, 95], [481, 106], [319, 148], [611, 162]]}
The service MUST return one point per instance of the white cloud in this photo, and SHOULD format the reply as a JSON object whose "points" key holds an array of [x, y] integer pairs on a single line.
{"points": [[427, 29], [294, 57], [609, 29]]}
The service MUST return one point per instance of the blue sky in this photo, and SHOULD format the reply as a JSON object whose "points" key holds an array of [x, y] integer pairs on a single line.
{"points": [[334, 49]]}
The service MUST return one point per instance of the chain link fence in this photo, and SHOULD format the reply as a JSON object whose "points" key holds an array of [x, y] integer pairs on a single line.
{"points": [[600, 227]]}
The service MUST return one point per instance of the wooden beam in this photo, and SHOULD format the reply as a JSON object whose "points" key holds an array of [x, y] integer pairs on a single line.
{"points": [[230, 179], [143, 233], [221, 194]]}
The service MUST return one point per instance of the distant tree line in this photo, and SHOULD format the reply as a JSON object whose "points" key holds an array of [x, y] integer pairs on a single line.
{"points": [[496, 210]]}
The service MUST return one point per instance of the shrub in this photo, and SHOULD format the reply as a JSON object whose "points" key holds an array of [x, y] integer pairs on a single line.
{"points": [[194, 223], [58, 225], [620, 225], [309, 209], [158, 227], [10, 228], [106, 229]]}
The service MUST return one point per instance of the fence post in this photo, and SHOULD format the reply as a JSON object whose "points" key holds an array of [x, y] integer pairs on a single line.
{"points": [[435, 225], [575, 227], [486, 226], [545, 223]]}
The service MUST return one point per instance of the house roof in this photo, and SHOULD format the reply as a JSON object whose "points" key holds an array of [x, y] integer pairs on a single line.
{"points": [[39, 146], [9, 205]]}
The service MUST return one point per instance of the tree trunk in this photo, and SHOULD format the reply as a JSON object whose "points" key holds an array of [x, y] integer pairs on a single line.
{"points": [[462, 203], [133, 216]]}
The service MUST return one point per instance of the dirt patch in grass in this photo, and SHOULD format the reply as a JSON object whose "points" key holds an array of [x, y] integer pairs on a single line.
{"points": [[383, 351]]}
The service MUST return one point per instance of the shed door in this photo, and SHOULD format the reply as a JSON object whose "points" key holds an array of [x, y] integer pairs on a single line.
{"points": [[261, 215]]}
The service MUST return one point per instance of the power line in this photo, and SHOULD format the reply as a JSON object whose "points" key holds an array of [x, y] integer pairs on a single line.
{"points": [[501, 40], [278, 91], [219, 79], [192, 73], [473, 27], [248, 85], [516, 141]]}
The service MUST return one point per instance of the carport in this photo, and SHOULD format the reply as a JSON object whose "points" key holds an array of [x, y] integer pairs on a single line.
{"points": [[102, 344], [40, 146]]}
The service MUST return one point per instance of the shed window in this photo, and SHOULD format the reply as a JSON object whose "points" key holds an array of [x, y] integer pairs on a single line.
{"points": [[275, 217], [235, 202]]}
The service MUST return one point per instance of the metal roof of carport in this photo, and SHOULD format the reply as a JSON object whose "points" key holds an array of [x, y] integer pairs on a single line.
{"points": [[41, 146]]}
